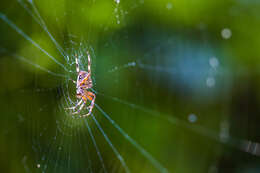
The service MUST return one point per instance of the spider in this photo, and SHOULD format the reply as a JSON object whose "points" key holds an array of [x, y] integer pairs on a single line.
{"points": [[83, 83]]}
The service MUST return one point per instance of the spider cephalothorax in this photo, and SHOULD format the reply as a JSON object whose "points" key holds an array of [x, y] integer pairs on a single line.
{"points": [[83, 83]]}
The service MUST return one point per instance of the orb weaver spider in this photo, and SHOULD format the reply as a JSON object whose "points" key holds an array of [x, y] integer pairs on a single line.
{"points": [[83, 83]]}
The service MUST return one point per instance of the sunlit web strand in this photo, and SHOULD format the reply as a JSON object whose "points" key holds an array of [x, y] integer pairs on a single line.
{"points": [[170, 119], [108, 141], [139, 64], [61, 129], [73, 138], [35, 138], [33, 64], [69, 156], [43, 162], [52, 145], [58, 151], [93, 139], [95, 144], [44, 166], [69, 102], [162, 69], [29, 11], [67, 147], [25, 165], [41, 22], [79, 153], [18, 30], [61, 50], [68, 95], [48, 159], [88, 155], [60, 147], [242, 145], [68, 105], [70, 147], [91, 135], [121, 159], [90, 132], [134, 143], [135, 63]]}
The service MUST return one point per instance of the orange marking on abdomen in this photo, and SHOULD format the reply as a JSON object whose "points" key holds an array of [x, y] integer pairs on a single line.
{"points": [[90, 98]]}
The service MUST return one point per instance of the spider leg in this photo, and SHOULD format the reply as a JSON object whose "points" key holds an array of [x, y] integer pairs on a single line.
{"points": [[89, 63], [74, 107], [91, 96], [78, 111], [77, 63], [73, 81]]}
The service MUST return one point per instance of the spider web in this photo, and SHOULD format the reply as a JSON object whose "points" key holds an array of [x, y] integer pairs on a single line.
{"points": [[148, 114]]}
